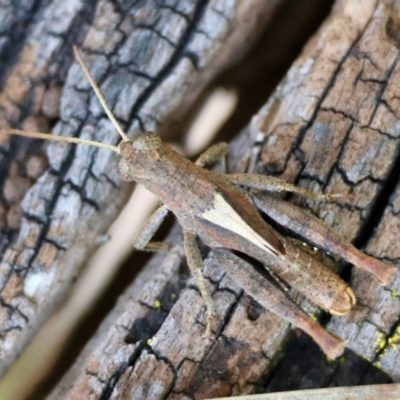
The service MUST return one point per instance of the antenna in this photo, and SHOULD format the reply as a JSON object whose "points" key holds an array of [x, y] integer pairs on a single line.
{"points": [[99, 95], [49, 136]]}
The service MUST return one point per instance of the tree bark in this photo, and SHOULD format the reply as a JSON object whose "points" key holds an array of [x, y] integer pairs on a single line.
{"points": [[152, 60], [330, 125]]}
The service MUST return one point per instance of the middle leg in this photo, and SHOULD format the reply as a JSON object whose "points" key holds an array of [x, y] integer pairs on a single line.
{"points": [[195, 264]]}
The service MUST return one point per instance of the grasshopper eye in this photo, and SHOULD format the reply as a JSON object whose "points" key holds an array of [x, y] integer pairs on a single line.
{"points": [[125, 170]]}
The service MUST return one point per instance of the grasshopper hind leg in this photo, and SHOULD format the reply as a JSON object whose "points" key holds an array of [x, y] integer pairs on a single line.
{"points": [[277, 185]]}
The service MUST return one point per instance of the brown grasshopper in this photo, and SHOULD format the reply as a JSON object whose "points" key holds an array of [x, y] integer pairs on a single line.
{"points": [[214, 207]]}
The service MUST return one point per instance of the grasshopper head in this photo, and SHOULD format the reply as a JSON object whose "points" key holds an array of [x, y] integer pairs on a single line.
{"points": [[136, 155]]}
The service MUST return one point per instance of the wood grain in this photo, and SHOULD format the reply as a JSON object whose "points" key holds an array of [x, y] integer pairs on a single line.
{"points": [[319, 129], [152, 60], [330, 125]]}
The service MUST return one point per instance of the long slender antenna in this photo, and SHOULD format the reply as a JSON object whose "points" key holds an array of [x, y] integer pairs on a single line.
{"points": [[99, 95], [39, 135]]}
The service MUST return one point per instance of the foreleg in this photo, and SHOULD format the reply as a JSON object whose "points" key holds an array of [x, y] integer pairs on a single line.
{"points": [[147, 231], [213, 154]]}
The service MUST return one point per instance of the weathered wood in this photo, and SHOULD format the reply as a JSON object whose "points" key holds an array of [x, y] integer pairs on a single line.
{"points": [[152, 60], [341, 136], [336, 131], [330, 125]]}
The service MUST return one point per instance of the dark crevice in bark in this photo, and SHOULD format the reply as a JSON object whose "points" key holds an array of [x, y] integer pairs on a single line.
{"points": [[377, 209], [304, 366], [75, 35], [388, 186], [169, 67], [258, 74], [51, 205], [116, 375]]}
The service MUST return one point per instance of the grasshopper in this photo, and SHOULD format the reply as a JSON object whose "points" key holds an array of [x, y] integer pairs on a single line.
{"points": [[216, 208]]}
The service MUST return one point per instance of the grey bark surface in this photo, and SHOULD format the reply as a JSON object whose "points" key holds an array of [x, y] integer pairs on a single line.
{"points": [[331, 125], [152, 60]]}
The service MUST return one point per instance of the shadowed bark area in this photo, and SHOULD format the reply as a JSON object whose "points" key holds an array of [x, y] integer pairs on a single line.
{"points": [[331, 126]]}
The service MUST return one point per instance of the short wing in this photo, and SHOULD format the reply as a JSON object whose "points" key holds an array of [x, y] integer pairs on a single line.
{"points": [[231, 218]]}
